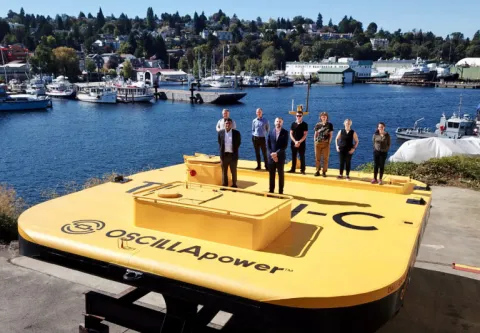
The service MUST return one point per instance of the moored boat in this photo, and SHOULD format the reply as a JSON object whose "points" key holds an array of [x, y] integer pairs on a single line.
{"points": [[134, 92], [22, 102], [100, 94]]}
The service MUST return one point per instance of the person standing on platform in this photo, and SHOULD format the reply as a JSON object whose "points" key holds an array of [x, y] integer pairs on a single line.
{"points": [[346, 142], [277, 143], [322, 138], [229, 141], [381, 146], [260, 129], [298, 134], [221, 122]]}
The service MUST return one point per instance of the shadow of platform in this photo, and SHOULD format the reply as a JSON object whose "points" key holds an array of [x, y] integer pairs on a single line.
{"points": [[438, 302]]}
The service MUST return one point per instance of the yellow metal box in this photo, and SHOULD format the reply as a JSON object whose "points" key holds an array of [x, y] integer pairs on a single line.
{"points": [[240, 218]]}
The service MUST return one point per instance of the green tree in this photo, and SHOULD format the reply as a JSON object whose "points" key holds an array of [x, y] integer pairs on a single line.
{"points": [[183, 64], [90, 65], [371, 30], [150, 19], [319, 21], [127, 70], [81, 15], [43, 60], [160, 48], [307, 54], [100, 20], [59, 22], [66, 61], [125, 48], [253, 66], [4, 29]]}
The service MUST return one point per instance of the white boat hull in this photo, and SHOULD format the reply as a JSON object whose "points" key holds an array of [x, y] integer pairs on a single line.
{"points": [[135, 99], [104, 99]]}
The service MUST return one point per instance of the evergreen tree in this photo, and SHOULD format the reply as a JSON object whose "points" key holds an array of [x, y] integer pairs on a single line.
{"points": [[59, 22], [81, 15], [100, 20], [150, 19], [319, 21]]}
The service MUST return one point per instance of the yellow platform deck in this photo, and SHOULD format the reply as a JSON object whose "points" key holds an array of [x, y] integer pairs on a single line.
{"points": [[344, 244]]}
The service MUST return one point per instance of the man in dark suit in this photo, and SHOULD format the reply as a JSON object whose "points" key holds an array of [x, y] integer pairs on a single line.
{"points": [[277, 143], [229, 141]]}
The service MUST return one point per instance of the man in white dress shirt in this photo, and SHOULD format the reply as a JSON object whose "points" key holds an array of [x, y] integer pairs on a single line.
{"points": [[229, 141], [221, 122]]}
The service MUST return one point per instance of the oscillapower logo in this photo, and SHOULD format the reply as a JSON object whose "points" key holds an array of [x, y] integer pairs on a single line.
{"points": [[83, 227]]}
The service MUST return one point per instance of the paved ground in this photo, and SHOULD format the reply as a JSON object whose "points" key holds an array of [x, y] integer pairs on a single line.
{"points": [[38, 297]]}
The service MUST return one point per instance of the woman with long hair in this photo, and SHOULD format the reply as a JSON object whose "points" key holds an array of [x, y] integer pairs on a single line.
{"points": [[381, 146], [346, 142]]}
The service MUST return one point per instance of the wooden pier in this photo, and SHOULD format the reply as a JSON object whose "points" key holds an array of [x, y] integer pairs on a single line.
{"points": [[200, 97], [458, 85]]}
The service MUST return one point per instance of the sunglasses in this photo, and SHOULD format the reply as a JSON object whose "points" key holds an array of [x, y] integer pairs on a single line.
{"points": [[299, 116]]}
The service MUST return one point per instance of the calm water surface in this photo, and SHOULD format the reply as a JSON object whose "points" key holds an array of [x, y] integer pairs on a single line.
{"points": [[75, 141]]}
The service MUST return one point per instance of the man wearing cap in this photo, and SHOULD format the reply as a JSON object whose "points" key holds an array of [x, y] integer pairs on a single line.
{"points": [[229, 141], [260, 128], [221, 122]]}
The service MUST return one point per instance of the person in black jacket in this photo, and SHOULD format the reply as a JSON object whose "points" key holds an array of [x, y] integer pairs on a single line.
{"points": [[346, 142], [381, 146], [229, 141], [277, 143]]}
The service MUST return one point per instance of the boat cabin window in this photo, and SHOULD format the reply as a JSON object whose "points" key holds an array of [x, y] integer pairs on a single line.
{"points": [[453, 125]]}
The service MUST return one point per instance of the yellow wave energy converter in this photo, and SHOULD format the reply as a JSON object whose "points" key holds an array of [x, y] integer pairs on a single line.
{"points": [[332, 255]]}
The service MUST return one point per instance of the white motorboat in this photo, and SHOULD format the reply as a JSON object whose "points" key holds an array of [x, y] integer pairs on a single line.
{"points": [[105, 95], [61, 88], [36, 86], [134, 92]]}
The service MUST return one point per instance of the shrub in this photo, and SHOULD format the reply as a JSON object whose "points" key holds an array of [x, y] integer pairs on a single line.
{"points": [[10, 208], [461, 171]]}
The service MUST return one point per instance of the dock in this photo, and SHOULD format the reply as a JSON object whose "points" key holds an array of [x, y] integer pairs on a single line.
{"points": [[458, 85], [200, 97], [411, 83]]}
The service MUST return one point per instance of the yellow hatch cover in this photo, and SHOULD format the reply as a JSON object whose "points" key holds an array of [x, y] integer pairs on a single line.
{"points": [[239, 218]]}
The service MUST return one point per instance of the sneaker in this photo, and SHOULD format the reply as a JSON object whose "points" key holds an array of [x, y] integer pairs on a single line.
{"points": [[317, 174], [324, 174], [380, 182], [303, 173], [257, 168], [339, 177], [374, 181], [348, 178]]}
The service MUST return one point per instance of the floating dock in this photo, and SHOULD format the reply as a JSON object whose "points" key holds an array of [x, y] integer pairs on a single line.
{"points": [[200, 97]]}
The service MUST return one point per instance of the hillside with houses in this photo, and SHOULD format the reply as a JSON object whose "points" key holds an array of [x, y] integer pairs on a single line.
{"points": [[89, 46]]}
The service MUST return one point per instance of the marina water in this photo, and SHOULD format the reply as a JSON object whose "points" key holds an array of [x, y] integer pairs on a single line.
{"points": [[74, 141]]}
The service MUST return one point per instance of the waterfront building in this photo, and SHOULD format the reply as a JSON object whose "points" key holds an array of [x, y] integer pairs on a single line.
{"points": [[335, 75], [362, 68]]}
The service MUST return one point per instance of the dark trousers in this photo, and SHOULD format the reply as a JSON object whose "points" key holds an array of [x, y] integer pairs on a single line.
{"points": [[379, 159], [300, 150], [345, 162], [229, 161], [260, 143], [272, 168]]}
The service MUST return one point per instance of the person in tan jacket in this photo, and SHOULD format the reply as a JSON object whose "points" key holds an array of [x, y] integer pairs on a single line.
{"points": [[322, 138]]}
